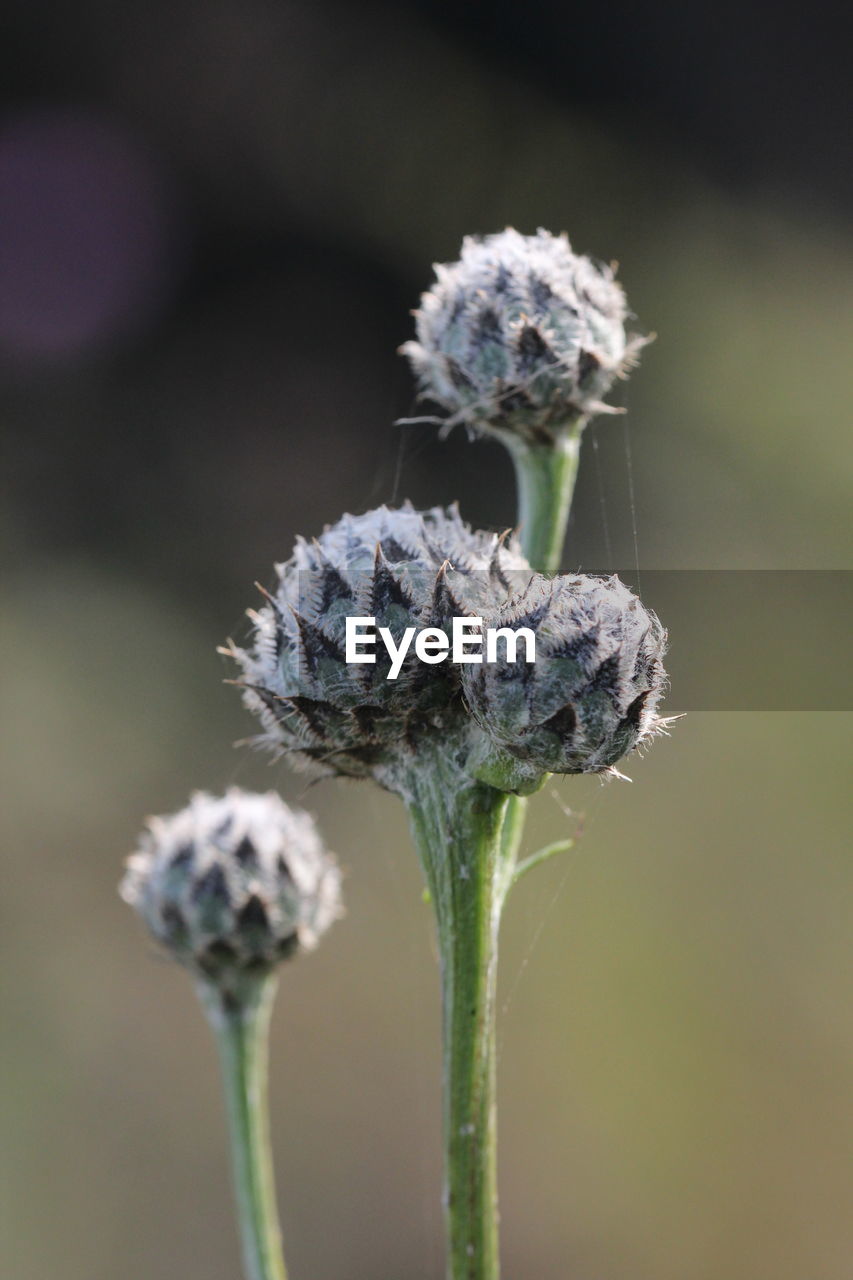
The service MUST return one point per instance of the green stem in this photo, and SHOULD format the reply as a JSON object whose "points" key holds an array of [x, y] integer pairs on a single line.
{"points": [[467, 851], [467, 835], [241, 1027], [541, 855], [545, 474]]}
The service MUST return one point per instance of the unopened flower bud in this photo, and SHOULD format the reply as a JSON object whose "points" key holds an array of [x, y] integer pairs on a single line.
{"points": [[591, 695], [231, 885], [521, 336], [402, 568]]}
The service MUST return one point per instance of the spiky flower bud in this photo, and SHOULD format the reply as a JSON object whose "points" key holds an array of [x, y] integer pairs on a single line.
{"points": [[404, 569], [230, 885], [592, 693], [521, 336]]}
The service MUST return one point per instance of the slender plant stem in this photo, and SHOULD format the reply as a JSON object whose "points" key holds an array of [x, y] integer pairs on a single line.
{"points": [[467, 835], [241, 1028], [541, 855], [545, 475], [467, 855]]}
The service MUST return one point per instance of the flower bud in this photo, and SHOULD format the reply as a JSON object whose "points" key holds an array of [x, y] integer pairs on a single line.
{"points": [[591, 694], [231, 885], [521, 336], [402, 568]]}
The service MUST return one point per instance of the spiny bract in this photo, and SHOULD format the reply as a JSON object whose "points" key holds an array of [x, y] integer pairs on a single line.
{"points": [[591, 696], [521, 336], [230, 885]]}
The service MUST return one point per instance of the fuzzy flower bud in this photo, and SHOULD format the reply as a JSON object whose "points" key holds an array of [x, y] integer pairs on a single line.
{"points": [[592, 693], [231, 885], [521, 336], [404, 569]]}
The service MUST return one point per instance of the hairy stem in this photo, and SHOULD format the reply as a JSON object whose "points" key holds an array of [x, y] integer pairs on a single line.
{"points": [[545, 475], [241, 1028], [468, 855]]}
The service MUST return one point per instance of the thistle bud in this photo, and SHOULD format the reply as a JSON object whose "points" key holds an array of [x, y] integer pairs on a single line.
{"points": [[403, 569], [521, 336], [231, 885], [591, 695]]}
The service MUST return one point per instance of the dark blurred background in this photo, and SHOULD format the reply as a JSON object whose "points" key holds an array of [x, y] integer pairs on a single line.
{"points": [[214, 220]]}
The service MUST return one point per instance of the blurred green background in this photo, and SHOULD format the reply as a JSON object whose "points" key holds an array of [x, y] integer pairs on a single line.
{"points": [[214, 219]]}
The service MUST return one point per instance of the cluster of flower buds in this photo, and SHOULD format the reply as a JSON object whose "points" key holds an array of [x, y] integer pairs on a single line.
{"points": [[521, 337], [231, 885], [588, 697]]}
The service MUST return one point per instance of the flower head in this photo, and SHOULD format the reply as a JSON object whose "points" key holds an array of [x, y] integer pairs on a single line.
{"points": [[403, 568], [521, 336], [592, 693], [230, 885]]}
